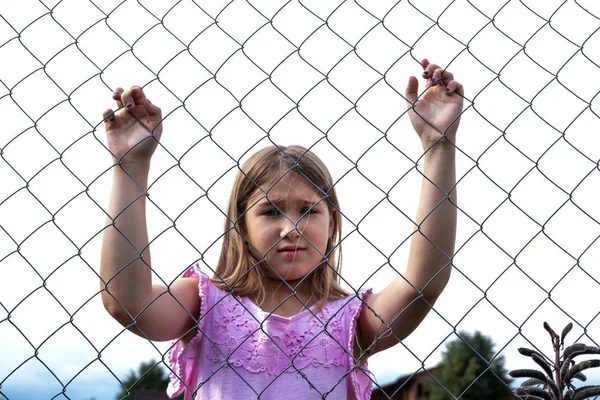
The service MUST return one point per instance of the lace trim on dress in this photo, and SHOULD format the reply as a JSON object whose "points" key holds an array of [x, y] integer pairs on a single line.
{"points": [[184, 360], [360, 382]]}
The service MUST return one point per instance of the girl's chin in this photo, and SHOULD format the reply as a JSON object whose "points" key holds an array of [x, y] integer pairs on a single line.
{"points": [[288, 273]]}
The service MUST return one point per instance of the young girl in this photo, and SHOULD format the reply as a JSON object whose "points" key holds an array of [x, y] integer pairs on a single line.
{"points": [[273, 322]]}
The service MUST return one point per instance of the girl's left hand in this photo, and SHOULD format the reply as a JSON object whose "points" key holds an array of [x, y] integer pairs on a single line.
{"points": [[437, 112]]}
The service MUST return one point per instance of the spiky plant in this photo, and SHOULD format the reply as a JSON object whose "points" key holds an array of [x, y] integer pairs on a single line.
{"points": [[558, 376]]}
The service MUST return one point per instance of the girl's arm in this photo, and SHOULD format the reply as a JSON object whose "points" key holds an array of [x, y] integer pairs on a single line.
{"points": [[153, 311], [401, 305]]}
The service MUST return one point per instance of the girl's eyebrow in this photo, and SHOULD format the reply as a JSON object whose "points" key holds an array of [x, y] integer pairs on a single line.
{"points": [[264, 201]]}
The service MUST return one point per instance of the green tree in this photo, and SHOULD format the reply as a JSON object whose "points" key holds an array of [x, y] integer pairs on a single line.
{"points": [[461, 368], [149, 375]]}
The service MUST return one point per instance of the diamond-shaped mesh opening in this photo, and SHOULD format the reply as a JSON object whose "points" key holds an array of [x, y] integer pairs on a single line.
{"points": [[489, 231]]}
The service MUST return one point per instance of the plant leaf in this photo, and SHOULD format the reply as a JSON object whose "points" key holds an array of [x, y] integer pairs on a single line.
{"points": [[527, 352], [586, 392], [527, 373], [580, 376], [580, 367], [573, 351], [586, 350], [569, 395], [546, 367], [542, 363], [532, 382], [565, 367], [573, 348], [554, 388], [565, 332], [550, 330], [534, 392]]}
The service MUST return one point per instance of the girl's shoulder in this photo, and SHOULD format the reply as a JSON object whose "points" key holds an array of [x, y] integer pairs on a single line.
{"points": [[194, 271], [205, 283], [213, 296], [208, 292], [347, 308]]}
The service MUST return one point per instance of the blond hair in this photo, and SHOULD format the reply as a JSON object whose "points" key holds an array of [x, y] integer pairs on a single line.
{"points": [[237, 269]]}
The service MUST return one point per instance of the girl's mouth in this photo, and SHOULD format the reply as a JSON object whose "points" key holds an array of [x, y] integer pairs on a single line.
{"points": [[292, 252]]}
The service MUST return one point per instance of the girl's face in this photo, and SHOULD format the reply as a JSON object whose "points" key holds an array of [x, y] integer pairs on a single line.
{"points": [[289, 227]]}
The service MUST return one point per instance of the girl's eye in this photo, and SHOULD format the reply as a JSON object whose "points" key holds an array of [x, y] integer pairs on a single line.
{"points": [[271, 212]]}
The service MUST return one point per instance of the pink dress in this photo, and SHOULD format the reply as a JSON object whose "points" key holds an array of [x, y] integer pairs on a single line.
{"points": [[242, 352]]}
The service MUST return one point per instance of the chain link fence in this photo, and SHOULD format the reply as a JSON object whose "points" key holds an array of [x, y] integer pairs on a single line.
{"points": [[235, 76]]}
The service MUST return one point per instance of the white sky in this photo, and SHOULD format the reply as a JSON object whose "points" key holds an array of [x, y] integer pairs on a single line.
{"points": [[66, 99]]}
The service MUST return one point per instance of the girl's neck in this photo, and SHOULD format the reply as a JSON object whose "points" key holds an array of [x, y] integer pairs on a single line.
{"points": [[281, 300]]}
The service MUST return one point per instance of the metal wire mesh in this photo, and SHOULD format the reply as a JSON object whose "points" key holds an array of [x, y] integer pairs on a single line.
{"points": [[233, 76]]}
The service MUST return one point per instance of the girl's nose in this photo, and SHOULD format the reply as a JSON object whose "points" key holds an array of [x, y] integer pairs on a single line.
{"points": [[289, 228]]}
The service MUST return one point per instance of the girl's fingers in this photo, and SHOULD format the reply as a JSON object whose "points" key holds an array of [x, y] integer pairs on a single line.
{"points": [[446, 75], [117, 96], [139, 97], [136, 102], [151, 109], [428, 68], [439, 75], [436, 76], [127, 98], [133, 100], [435, 73], [424, 64], [136, 97], [412, 90], [454, 87], [109, 116]]}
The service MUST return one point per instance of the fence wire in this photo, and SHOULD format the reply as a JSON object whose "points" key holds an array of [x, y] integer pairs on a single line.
{"points": [[331, 75]]}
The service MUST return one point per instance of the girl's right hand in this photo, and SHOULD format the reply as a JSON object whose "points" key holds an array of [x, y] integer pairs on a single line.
{"points": [[134, 130]]}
